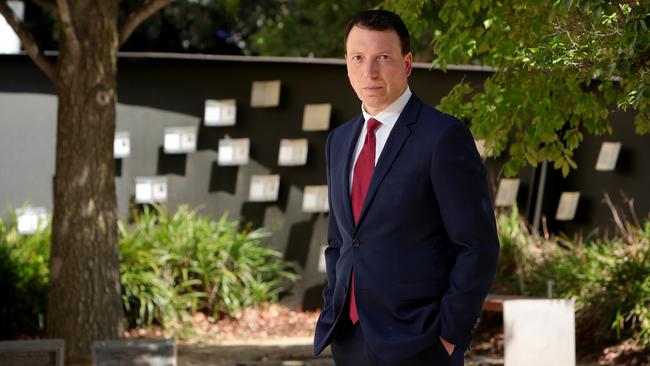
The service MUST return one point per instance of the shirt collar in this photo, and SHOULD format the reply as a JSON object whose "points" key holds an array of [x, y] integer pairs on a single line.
{"points": [[389, 115]]}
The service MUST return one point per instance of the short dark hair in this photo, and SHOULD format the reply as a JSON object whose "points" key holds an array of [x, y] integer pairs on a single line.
{"points": [[380, 20]]}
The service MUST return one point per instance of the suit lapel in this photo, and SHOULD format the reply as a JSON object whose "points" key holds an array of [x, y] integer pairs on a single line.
{"points": [[350, 144], [396, 140]]}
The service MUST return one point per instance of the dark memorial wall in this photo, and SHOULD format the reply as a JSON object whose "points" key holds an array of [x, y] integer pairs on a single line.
{"points": [[158, 91]]}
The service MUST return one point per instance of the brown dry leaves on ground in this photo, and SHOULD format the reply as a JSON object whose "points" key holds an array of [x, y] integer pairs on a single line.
{"points": [[263, 323], [626, 353], [488, 344]]}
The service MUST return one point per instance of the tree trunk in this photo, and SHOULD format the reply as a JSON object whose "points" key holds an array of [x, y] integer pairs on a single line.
{"points": [[85, 297]]}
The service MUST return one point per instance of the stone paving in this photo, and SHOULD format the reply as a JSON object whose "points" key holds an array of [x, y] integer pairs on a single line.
{"points": [[288, 352]]}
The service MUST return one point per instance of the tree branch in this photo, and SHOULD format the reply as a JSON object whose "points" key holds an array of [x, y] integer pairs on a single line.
{"points": [[49, 5], [29, 43], [139, 16], [71, 40]]}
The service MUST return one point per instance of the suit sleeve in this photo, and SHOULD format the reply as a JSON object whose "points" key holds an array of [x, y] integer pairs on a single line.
{"points": [[333, 246], [460, 186]]}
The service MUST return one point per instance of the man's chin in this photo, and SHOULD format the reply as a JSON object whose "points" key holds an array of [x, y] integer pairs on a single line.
{"points": [[374, 95]]}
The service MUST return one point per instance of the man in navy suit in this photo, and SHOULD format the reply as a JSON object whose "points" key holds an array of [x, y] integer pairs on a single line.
{"points": [[412, 244]]}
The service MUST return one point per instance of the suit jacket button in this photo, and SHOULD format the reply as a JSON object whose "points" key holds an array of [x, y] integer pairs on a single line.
{"points": [[355, 243]]}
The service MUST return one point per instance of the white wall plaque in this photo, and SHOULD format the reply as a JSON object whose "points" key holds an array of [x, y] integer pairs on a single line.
{"points": [[566, 209], [292, 152], [507, 192], [322, 268], [150, 189], [265, 93], [608, 156], [315, 199], [233, 151], [482, 150], [9, 41], [264, 188], [539, 332], [31, 219], [316, 117], [180, 140], [220, 112], [122, 145]]}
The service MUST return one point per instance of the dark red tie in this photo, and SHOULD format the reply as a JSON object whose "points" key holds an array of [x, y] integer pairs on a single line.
{"points": [[362, 175]]}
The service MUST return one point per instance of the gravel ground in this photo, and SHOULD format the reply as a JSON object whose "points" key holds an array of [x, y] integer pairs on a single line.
{"points": [[276, 335], [289, 352]]}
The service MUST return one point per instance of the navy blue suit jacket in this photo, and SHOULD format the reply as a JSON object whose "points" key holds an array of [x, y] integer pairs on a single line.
{"points": [[425, 249]]}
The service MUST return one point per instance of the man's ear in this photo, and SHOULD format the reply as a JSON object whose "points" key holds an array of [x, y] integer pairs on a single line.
{"points": [[408, 64]]}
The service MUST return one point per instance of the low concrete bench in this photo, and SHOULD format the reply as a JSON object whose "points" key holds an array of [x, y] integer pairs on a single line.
{"points": [[45, 352]]}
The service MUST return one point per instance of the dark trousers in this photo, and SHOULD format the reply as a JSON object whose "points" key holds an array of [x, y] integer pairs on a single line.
{"points": [[349, 348]]}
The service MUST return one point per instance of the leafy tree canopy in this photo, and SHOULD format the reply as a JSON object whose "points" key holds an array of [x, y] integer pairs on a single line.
{"points": [[307, 28], [560, 68]]}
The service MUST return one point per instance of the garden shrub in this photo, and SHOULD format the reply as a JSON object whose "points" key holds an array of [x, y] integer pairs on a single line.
{"points": [[608, 277], [171, 266], [24, 261]]}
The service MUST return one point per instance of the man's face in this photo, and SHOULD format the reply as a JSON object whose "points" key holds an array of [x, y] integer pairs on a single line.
{"points": [[377, 69]]}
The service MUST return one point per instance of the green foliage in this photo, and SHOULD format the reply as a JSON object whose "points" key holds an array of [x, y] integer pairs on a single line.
{"points": [[170, 265], [152, 290], [560, 66], [316, 28], [23, 279], [614, 300], [306, 28], [609, 278]]}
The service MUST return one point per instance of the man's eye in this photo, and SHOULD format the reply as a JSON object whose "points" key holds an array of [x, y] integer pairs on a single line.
{"points": [[357, 58], [383, 58]]}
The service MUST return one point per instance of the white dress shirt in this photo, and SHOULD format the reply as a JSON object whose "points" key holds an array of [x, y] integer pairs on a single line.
{"points": [[387, 117]]}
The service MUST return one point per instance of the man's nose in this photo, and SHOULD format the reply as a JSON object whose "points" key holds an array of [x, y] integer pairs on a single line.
{"points": [[371, 69]]}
